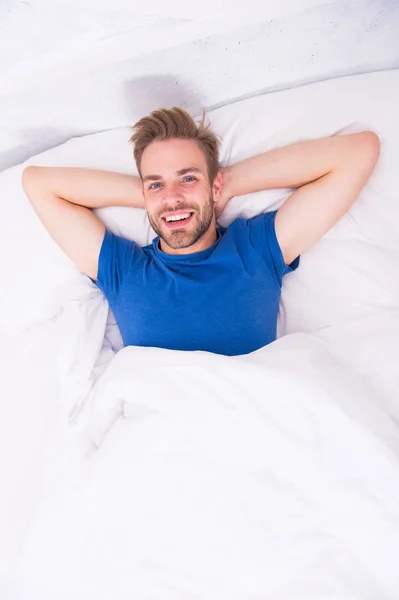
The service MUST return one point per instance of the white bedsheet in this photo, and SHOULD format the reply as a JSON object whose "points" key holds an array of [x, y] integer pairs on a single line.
{"points": [[272, 475]]}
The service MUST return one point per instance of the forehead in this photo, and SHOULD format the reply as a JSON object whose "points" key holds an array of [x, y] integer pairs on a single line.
{"points": [[168, 156]]}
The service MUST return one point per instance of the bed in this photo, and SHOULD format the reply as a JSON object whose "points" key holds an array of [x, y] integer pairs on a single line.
{"points": [[156, 474]]}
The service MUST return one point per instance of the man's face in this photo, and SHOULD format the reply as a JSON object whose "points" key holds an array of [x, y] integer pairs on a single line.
{"points": [[175, 180]]}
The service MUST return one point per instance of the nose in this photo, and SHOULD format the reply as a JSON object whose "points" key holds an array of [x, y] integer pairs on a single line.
{"points": [[172, 193]]}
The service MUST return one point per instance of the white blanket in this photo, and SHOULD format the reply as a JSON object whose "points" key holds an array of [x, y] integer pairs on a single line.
{"points": [[272, 475]]}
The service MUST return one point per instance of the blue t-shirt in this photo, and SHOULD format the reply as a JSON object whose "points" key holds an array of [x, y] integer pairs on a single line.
{"points": [[224, 299]]}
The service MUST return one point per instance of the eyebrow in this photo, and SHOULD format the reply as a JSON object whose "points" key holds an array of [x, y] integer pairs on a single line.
{"points": [[178, 173]]}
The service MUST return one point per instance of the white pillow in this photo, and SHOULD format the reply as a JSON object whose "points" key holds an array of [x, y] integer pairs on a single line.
{"points": [[351, 272]]}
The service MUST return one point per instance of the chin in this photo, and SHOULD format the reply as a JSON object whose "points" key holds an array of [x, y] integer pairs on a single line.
{"points": [[176, 244]]}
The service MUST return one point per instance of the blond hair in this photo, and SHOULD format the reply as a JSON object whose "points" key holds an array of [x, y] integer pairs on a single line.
{"points": [[176, 122]]}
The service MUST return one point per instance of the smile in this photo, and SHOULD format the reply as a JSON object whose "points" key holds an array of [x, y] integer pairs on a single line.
{"points": [[180, 222]]}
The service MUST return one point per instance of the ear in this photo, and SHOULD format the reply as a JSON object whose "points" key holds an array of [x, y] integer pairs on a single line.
{"points": [[217, 187]]}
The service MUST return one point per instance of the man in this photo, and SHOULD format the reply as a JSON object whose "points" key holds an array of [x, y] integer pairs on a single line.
{"points": [[199, 286]]}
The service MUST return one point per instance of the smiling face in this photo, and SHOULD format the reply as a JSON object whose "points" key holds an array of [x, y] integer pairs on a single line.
{"points": [[175, 183]]}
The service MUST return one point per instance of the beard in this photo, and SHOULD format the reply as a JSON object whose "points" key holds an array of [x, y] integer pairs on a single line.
{"points": [[183, 239]]}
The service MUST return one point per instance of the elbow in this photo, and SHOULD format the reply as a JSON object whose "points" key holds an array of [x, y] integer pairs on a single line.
{"points": [[366, 150], [29, 169], [29, 174], [372, 143], [32, 182]]}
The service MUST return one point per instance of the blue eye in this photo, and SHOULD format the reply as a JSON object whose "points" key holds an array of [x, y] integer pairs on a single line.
{"points": [[187, 177]]}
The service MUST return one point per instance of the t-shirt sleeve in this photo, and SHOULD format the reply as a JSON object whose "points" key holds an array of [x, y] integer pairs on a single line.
{"points": [[262, 236], [117, 256]]}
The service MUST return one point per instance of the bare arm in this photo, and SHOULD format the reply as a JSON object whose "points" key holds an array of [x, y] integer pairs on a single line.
{"points": [[62, 198], [329, 172]]}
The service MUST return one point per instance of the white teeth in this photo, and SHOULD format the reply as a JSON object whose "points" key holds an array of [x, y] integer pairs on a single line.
{"points": [[178, 218]]}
